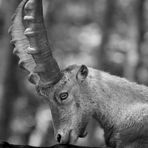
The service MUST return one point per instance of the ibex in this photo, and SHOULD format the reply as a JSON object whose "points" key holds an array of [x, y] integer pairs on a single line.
{"points": [[78, 93]]}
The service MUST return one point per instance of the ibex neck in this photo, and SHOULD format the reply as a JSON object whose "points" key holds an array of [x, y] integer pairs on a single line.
{"points": [[113, 95]]}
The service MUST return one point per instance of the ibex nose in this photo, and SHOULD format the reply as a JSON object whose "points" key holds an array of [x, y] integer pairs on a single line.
{"points": [[62, 138], [59, 138]]}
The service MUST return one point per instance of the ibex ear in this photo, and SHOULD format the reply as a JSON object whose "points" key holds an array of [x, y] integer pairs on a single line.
{"points": [[82, 73]]}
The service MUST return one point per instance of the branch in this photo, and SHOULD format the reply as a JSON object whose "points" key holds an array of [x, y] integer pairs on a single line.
{"points": [[7, 145]]}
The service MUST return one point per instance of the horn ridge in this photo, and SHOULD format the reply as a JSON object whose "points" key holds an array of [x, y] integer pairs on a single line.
{"points": [[46, 66], [19, 39], [31, 44]]}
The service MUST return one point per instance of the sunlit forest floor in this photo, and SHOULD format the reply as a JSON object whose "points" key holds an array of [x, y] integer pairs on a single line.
{"points": [[107, 35]]}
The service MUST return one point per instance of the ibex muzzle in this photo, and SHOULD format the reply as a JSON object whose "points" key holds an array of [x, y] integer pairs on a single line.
{"points": [[77, 93]]}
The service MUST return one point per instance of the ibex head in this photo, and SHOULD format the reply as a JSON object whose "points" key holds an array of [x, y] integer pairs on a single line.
{"points": [[65, 89], [69, 104]]}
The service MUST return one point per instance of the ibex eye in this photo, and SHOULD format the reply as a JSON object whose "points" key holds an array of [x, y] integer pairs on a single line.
{"points": [[63, 95]]}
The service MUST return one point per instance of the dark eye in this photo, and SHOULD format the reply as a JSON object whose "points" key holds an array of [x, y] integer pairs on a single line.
{"points": [[63, 95]]}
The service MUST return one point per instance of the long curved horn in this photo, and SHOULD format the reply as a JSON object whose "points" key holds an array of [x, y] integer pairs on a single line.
{"points": [[31, 44]]}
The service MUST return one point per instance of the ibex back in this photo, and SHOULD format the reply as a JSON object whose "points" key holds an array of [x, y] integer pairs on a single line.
{"points": [[78, 93]]}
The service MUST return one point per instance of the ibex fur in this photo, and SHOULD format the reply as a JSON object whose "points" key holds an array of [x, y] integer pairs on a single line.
{"points": [[78, 93]]}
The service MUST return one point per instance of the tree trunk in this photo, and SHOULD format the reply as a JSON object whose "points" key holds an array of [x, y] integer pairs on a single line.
{"points": [[141, 71], [10, 85], [119, 42]]}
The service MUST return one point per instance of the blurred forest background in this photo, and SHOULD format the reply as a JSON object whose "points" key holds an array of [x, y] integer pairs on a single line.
{"points": [[111, 35]]}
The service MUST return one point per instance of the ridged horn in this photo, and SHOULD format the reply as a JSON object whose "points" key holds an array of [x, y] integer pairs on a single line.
{"points": [[31, 44]]}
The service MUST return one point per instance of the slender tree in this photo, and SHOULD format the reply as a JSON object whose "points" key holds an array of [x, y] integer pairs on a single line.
{"points": [[10, 85]]}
